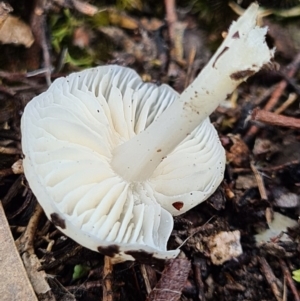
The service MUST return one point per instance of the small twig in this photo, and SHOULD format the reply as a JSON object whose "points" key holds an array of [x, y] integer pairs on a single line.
{"points": [[284, 293], [291, 99], [290, 81], [176, 31], [280, 87], [279, 167], [17, 229], [107, 279], [25, 246], [13, 191], [270, 277], [146, 278], [6, 172], [38, 26], [45, 49], [257, 101], [198, 278], [191, 60], [37, 72], [62, 259], [240, 170], [171, 17], [28, 199], [25, 242], [82, 7], [260, 182], [85, 286], [10, 151], [292, 68], [7, 90], [240, 11], [275, 119], [50, 245], [12, 76], [194, 231], [289, 279]]}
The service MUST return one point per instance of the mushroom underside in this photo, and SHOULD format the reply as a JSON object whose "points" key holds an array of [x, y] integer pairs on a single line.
{"points": [[68, 135]]}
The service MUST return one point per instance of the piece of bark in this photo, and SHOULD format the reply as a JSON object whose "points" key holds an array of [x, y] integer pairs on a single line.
{"points": [[172, 281], [14, 284]]}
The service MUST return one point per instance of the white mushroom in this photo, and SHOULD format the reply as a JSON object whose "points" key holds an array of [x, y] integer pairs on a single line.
{"points": [[111, 158]]}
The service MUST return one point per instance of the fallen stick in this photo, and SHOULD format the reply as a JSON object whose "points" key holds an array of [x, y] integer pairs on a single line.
{"points": [[289, 279], [271, 278], [275, 119]]}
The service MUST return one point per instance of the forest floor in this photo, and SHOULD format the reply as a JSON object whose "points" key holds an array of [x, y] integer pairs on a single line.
{"points": [[259, 127]]}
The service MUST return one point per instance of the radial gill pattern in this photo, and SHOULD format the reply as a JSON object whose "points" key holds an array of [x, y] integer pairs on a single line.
{"points": [[68, 134]]}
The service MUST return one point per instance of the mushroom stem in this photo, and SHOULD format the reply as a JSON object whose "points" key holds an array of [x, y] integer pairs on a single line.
{"points": [[242, 53]]}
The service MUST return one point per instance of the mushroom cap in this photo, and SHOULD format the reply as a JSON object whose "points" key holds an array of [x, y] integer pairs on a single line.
{"points": [[68, 135]]}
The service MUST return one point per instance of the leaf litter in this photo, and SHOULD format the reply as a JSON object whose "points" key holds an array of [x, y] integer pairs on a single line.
{"points": [[238, 205]]}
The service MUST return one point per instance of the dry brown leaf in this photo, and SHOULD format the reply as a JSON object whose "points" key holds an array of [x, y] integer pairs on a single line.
{"points": [[12, 29], [237, 152]]}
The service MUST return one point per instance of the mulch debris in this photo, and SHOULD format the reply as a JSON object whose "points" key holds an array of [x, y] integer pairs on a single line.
{"points": [[258, 126]]}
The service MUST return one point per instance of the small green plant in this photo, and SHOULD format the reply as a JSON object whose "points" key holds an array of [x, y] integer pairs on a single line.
{"points": [[62, 27], [129, 4], [296, 275], [80, 270], [84, 60]]}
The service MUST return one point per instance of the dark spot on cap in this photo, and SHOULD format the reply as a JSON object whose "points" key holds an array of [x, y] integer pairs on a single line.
{"points": [[236, 35], [177, 205], [109, 251], [144, 257], [241, 74], [57, 220], [159, 150]]}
